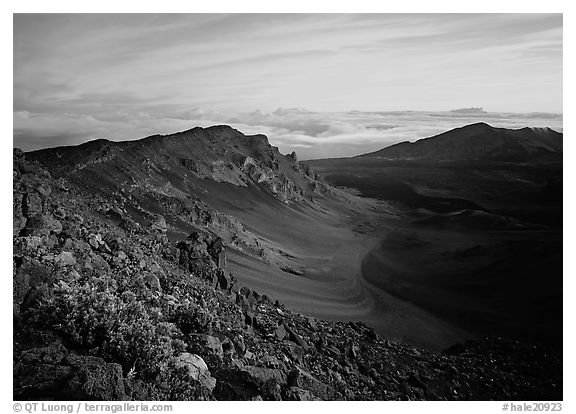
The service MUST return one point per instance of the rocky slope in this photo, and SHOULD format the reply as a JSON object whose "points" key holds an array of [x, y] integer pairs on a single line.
{"points": [[220, 153], [111, 304], [170, 176]]}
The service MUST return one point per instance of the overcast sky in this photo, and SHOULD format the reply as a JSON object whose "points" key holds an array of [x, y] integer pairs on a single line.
{"points": [[80, 77]]}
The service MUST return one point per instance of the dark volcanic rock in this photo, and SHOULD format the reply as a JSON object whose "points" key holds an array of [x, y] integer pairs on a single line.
{"points": [[32, 205], [31, 273], [196, 369], [217, 251], [40, 225], [260, 376], [281, 332], [51, 372], [298, 394], [296, 352], [94, 379], [297, 339], [298, 377], [65, 259], [207, 344]]}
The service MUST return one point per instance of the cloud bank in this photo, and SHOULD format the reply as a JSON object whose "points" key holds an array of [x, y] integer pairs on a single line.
{"points": [[311, 134]]}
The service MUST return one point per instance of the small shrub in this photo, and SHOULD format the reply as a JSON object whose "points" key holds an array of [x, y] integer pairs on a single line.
{"points": [[125, 326]]}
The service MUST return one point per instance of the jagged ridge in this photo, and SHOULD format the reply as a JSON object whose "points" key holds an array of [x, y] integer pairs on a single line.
{"points": [[219, 152]]}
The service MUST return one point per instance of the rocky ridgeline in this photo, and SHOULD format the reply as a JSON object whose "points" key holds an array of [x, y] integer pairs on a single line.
{"points": [[108, 309], [247, 160], [220, 153]]}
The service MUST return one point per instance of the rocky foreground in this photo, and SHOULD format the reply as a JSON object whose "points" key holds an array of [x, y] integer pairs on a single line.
{"points": [[108, 309]]}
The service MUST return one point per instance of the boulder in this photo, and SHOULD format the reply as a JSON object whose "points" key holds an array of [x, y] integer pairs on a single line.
{"points": [[312, 323], [333, 351], [260, 375], [41, 381], [212, 279], [294, 337], [152, 281], [272, 391], [224, 281], [94, 379], [321, 343], [53, 353], [18, 153], [298, 377], [250, 319], [243, 303], [193, 251], [31, 274], [253, 297], [270, 361], [207, 343], [159, 224], [171, 253], [227, 347], [32, 205], [40, 225], [280, 332], [352, 351], [65, 259], [239, 344], [96, 262], [217, 252], [197, 237], [296, 352], [93, 242], [244, 291], [196, 368], [18, 218], [298, 394], [115, 213]]}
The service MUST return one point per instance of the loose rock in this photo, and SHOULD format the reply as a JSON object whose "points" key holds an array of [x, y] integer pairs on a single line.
{"points": [[197, 369]]}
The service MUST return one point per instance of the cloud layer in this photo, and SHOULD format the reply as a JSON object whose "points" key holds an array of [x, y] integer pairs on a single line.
{"points": [[311, 134]]}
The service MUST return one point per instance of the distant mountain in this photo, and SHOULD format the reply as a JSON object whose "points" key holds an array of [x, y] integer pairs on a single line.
{"points": [[479, 141], [470, 110]]}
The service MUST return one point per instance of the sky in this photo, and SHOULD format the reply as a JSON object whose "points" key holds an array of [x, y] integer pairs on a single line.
{"points": [[322, 84]]}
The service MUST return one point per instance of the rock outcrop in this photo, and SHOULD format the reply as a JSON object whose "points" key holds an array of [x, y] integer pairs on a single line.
{"points": [[220, 153]]}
